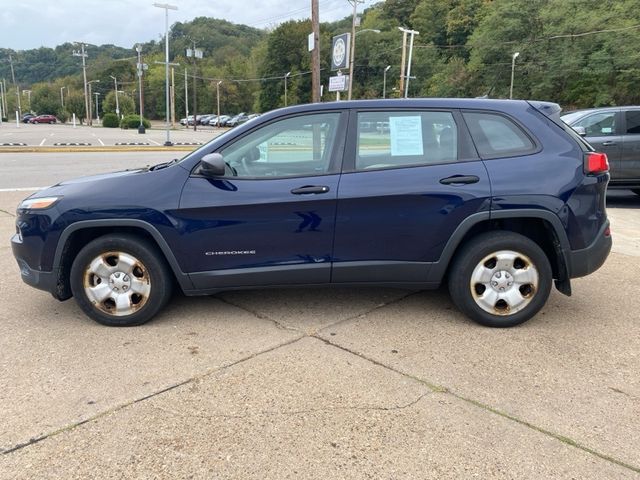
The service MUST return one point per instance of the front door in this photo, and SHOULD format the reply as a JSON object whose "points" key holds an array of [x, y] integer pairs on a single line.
{"points": [[270, 220]]}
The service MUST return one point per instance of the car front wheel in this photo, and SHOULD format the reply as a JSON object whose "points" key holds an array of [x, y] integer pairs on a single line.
{"points": [[500, 279], [120, 280]]}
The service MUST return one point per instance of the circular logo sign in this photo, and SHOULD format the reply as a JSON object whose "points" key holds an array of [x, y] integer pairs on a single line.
{"points": [[339, 51]]}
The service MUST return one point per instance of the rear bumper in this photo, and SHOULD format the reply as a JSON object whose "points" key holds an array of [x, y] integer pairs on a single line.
{"points": [[588, 260]]}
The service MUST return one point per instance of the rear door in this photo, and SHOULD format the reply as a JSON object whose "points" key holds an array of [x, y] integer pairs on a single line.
{"points": [[410, 178], [630, 158]]}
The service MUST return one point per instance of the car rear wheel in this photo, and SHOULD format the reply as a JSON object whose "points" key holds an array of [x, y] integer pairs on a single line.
{"points": [[120, 280], [500, 279]]}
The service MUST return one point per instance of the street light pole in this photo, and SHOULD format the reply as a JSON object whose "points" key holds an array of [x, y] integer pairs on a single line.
{"points": [[89, 112], [97, 94], [28, 92], [115, 82], [140, 72], [218, 100], [62, 97], [285, 87], [384, 81], [513, 67], [412, 33], [166, 7]]}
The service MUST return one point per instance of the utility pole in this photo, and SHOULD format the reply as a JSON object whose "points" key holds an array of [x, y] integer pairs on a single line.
{"points": [[513, 69], [413, 33], [186, 98], [62, 97], [4, 96], [166, 7], [315, 53], [13, 78], [353, 43], [404, 58], [28, 92], [115, 82], [84, 74]]}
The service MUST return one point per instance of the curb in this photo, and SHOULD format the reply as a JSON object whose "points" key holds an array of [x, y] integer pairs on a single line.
{"points": [[106, 148]]}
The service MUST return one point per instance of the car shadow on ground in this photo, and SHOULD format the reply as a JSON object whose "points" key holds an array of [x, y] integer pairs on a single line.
{"points": [[622, 199]]}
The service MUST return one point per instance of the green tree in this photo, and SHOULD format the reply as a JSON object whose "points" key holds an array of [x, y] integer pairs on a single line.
{"points": [[126, 104]]}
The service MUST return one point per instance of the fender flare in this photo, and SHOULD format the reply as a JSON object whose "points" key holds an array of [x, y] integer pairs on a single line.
{"points": [[439, 268], [183, 279]]}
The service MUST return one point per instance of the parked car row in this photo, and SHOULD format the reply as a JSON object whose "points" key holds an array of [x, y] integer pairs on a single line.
{"points": [[218, 121], [616, 132], [31, 118]]}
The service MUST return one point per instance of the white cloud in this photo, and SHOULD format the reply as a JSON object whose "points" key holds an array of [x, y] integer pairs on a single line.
{"points": [[33, 23]]}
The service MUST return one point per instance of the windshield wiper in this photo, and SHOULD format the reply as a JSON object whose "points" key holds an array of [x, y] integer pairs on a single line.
{"points": [[160, 166]]}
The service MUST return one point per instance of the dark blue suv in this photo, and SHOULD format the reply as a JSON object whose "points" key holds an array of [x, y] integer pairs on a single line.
{"points": [[497, 198]]}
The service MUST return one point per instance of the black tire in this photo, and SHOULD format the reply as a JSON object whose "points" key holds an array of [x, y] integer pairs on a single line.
{"points": [[130, 259], [487, 255]]}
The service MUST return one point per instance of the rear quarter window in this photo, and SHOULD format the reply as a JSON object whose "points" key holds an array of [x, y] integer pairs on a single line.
{"points": [[497, 136]]}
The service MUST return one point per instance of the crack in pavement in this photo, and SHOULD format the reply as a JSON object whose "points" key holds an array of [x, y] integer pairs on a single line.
{"points": [[432, 387], [298, 412], [8, 213], [117, 408], [436, 388]]}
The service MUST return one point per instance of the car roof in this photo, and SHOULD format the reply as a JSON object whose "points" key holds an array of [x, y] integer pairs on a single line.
{"points": [[603, 109]]}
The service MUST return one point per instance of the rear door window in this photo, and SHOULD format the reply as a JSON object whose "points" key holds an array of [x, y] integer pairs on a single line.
{"points": [[633, 122], [391, 139], [497, 136]]}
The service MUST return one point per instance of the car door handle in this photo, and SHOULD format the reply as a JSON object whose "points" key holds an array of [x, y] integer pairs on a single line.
{"points": [[308, 189], [608, 143], [459, 180]]}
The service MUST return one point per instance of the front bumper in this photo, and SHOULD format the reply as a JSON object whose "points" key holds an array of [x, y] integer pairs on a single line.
{"points": [[588, 260], [47, 281]]}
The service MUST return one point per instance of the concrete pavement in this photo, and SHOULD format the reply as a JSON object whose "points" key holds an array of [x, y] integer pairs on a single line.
{"points": [[347, 383]]}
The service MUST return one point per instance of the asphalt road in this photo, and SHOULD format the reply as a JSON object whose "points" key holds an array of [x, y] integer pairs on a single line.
{"points": [[345, 383]]}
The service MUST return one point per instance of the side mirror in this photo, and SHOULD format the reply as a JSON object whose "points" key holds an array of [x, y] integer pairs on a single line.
{"points": [[581, 131], [212, 165]]}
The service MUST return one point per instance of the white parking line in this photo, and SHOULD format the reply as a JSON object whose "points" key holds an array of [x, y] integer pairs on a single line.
{"points": [[154, 141], [21, 189], [101, 142], [42, 142]]}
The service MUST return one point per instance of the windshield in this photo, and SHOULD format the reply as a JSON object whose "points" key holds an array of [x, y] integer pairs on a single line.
{"points": [[206, 148], [569, 118]]}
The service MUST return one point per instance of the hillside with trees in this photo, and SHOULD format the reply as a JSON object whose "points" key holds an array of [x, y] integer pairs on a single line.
{"points": [[576, 53]]}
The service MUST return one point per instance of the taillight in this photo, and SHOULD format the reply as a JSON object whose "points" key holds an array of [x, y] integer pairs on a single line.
{"points": [[596, 163]]}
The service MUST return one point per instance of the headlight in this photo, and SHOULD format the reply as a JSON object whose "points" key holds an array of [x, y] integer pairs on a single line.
{"points": [[38, 203]]}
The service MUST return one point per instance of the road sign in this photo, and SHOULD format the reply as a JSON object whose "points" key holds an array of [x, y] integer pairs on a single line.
{"points": [[340, 51], [339, 83]]}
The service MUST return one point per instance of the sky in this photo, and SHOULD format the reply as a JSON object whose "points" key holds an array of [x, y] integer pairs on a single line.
{"points": [[26, 24]]}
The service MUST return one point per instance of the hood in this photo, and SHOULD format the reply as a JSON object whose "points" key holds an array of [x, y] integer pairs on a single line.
{"points": [[102, 176]]}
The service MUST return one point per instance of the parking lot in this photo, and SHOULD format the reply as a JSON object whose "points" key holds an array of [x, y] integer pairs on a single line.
{"points": [[62, 135], [340, 383]]}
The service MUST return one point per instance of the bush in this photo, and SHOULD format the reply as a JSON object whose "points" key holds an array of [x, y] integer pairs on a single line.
{"points": [[110, 120], [133, 121]]}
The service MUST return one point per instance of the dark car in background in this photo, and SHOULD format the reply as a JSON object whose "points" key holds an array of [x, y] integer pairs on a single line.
{"points": [[44, 119], [616, 132], [26, 117], [497, 198]]}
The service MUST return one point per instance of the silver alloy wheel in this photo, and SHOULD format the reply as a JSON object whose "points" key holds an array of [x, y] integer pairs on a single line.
{"points": [[117, 283], [504, 282]]}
